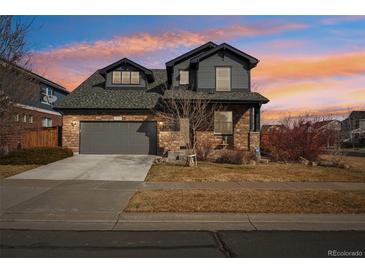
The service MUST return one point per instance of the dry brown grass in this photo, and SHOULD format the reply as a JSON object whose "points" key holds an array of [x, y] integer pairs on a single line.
{"points": [[248, 201], [273, 172], [10, 170]]}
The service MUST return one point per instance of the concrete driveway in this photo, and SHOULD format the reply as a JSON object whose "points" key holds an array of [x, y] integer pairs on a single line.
{"points": [[93, 167]]}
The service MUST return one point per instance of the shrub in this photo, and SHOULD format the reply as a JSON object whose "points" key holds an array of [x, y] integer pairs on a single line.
{"points": [[229, 156], [295, 139], [36, 156], [203, 150]]}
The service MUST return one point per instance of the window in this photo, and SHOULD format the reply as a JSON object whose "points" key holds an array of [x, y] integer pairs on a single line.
{"points": [[223, 79], [223, 122], [126, 77], [184, 77], [24, 118], [117, 77], [30, 119], [135, 77], [46, 122], [46, 92], [16, 117]]}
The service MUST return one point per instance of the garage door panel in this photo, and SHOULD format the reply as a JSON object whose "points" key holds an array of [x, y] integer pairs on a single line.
{"points": [[118, 138]]}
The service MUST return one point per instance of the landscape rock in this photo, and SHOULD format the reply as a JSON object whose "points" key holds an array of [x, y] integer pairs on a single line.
{"points": [[304, 161], [264, 161], [252, 162]]}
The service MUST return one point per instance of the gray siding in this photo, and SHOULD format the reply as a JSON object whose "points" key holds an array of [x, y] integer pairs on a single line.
{"points": [[142, 83], [182, 66], [239, 72]]}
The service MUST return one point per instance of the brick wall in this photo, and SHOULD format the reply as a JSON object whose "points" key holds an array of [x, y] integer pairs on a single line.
{"points": [[241, 128], [12, 131], [167, 140]]}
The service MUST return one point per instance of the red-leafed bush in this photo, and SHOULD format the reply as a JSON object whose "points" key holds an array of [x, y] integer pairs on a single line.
{"points": [[295, 138]]}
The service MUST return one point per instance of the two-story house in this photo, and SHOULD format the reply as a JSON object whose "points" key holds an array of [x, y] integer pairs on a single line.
{"points": [[112, 111], [32, 109]]}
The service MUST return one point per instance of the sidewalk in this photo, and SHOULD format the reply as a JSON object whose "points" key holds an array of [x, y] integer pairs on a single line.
{"points": [[198, 221], [98, 205]]}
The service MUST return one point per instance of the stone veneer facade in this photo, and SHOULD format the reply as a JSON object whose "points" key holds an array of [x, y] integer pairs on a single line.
{"points": [[241, 138]]}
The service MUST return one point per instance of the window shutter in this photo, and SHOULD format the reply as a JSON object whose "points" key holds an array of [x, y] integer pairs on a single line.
{"points": [[223, 79], [135, 77], [184, 77], [117, 77], [126, 77]]}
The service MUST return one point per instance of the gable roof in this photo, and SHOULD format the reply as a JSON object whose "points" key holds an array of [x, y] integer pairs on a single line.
{"points": [[191, 53], [92, 94], [38, 77], [123, 61], [225, 47]]}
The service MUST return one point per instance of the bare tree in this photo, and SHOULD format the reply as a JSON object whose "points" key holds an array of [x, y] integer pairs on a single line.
{"points": [[14, 62], [17, 83], [180, 105]]}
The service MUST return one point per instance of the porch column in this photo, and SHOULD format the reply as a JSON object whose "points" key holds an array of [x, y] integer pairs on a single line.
{"points": [[257, 118]]}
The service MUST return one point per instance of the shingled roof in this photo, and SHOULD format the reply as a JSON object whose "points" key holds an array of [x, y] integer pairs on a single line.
{"points": [[234, 96], [92, 94]]}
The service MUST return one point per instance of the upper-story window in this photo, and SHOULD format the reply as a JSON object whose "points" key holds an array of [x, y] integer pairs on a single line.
{"points": [[223, 78], [46, 93], [125, 77], [184, 77], [117, 77], [135, 77]]}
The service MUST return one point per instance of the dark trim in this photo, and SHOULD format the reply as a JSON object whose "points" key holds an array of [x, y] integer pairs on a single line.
{"points": [[230, 80], [147, 71], [190, 53], [252, 60]]}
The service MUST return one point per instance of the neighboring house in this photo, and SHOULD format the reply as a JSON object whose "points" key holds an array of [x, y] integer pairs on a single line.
{"points": [[353, 128], [333, 129], [33, 111], [356, 120], [112, 111]]}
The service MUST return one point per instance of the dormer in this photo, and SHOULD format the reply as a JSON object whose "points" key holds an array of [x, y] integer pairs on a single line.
{"points": [[126, 74]]}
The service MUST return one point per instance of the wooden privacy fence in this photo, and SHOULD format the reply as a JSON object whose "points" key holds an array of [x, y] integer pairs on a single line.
{"points": [[46, 137]]}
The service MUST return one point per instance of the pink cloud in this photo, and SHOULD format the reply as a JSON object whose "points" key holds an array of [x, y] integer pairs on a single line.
{"points": [[70, 64]]}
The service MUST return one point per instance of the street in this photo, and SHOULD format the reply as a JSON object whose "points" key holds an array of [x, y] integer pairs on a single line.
{"points": [[169, 244]]}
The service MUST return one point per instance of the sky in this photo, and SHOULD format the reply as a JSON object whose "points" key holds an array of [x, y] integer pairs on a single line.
{"points": [[308, 64]]}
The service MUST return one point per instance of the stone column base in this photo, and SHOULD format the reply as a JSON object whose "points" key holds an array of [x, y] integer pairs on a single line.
{"points": [[254, 140]]}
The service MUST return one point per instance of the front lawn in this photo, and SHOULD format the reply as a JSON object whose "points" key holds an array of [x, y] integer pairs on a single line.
{"points": [[35, 156], [248, 201], [272, 172], [10, 170]]}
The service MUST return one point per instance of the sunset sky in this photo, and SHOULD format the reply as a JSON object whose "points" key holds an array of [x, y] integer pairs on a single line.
{"points": [[307, 64]]}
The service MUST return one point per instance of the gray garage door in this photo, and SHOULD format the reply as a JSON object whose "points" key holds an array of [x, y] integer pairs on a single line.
{"points": [[118, 137]]}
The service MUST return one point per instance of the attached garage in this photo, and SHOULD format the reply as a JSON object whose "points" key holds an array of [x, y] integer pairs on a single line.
{"points": [[116, 137]]}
